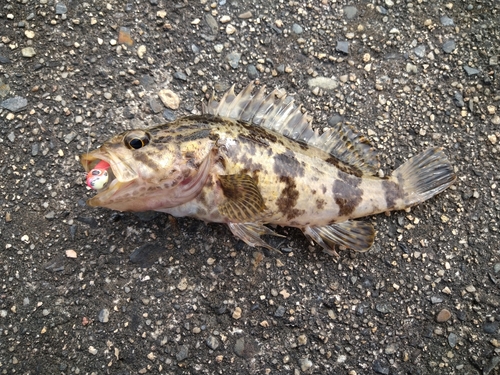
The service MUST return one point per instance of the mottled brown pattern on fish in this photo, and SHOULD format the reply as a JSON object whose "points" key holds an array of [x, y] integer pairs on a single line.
{"points": [[249, 139], [200, 134], [346, 193], [258, 134], [392, 193], [286, 164], [344, 167], [288, 199], [145, 159], [320, 203]]}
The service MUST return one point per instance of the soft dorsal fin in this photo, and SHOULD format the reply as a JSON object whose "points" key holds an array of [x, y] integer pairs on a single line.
{"points": [[278, 112]]}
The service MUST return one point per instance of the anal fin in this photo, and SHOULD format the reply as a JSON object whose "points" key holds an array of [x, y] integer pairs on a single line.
{"points": [[250, 233], [355, 235]]}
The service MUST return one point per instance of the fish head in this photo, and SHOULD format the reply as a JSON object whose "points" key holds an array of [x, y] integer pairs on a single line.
{"points": [[146, 172]]}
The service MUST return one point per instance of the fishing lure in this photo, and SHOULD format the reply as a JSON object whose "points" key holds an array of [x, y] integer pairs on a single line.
{"points": [[98, 177]]}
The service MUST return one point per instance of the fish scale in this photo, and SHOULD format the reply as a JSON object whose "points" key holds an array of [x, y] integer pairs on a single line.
{"points": [[254, 159]]}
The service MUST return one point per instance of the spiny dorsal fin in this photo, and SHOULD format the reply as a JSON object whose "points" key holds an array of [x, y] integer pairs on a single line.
{"points": [[278, 112], [348, 146]]}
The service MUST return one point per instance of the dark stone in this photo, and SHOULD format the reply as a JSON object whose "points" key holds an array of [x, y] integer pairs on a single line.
{"points": [[15, 104], [452, 340], [449, 46], [169, 115], [342, 46], [471, 71], [280, 311], [380, 367], [183, 353], [246, 348], [446, 21], [252, 72], [180, 76], [146, 255], [61, 8], [490, 327], [350, 12], [458, 99], [4, 60], [335, 119], [90, 221]]}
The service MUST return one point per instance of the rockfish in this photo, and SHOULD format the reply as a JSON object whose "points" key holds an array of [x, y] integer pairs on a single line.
{"points": [[254, 159]]}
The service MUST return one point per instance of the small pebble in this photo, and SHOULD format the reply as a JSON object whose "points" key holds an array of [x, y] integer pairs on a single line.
{"points": [[15, 104], [449, 46], [305, 364], [380, 367], [470, 288], [230, 29], [169, 115], [180, 76], [61, 8], [471, 71], [212, 342], [297, 29], [246, 348], [183, 353], [92, 350], [182, 285], [342, 46], [391, 349], [446, 21], [280, 311], [169, 99], [124, 36], [302, 340], [490, 327], [443, 316], [419, 51], [233, 59], [237, 313], [141, 51], [452, 339], [71, 254], [104, 316], [350, 12], [252, 72]]}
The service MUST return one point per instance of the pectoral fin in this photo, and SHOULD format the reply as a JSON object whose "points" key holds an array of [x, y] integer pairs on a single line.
{"points": [[243, 201], [356, 235], [250, 233]]}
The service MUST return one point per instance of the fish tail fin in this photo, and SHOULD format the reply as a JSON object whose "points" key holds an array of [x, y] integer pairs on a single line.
{"points": [[424, 176]]}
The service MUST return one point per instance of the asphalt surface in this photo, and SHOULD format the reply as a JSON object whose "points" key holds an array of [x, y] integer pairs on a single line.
{"points": [[92, 291]]}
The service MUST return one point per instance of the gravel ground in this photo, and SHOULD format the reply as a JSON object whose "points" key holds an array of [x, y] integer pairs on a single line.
{"points": [[91, 291]]}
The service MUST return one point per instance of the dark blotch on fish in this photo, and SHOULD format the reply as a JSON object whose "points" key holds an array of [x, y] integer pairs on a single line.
{"points": [[286, 164], [349, 169], [392, 193], [347, 194], [288, 199]]}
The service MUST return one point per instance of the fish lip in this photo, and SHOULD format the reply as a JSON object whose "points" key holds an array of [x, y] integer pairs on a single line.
{"points": [[123, 175]]}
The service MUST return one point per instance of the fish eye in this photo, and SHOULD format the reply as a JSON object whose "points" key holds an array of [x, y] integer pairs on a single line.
{"points": [[136, 141]]}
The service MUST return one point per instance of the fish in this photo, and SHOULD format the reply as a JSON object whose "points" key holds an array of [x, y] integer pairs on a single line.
{"points": [[253, 162]]}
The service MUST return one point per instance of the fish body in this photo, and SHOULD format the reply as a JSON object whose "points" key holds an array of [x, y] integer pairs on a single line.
{"points": [[254, 159]]}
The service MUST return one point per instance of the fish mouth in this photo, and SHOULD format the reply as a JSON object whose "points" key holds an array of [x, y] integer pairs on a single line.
{"points": [[119, 176]]}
